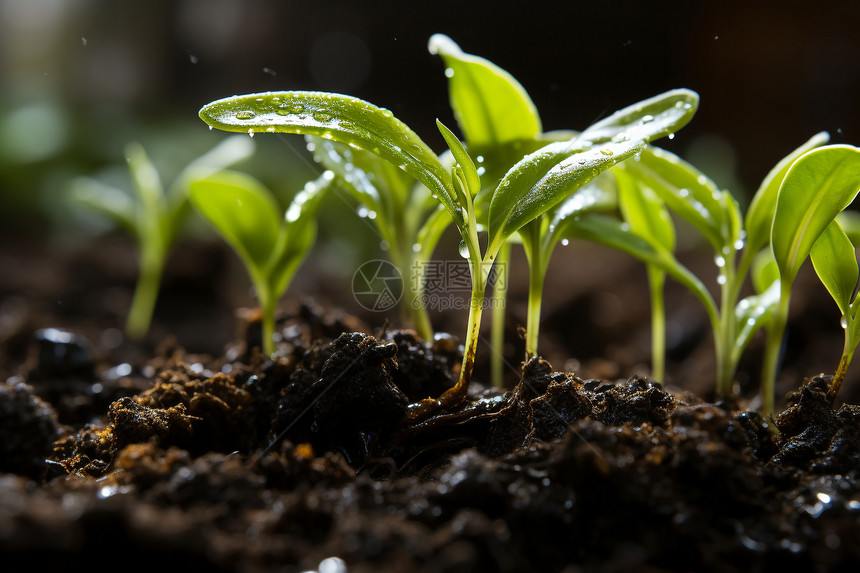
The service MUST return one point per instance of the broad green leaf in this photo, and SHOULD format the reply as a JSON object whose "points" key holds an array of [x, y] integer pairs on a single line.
{"points": [[648, 120], [490, 106], [464, 160], [339, 117], [242, 211], [760, 213], [644, 211], [544, 178], [107, 200], [816, 188], [686, 191], [835, 262]]}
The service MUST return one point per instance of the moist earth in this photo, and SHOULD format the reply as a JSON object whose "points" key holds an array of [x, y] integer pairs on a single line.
{"points": [[308, 461]]}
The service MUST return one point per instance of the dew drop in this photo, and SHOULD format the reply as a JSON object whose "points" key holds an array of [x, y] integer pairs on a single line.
{"points": [[363, 212], [606, 151], [671, 136], [564, 242], [321, 116], [251, 133], [480, 159], [721, 280], [245, 115], [844, 322], [684, 192], [449, 72], [371, 215], [464, 249], [387, 113], [211, 128], [646, 119], [719, 261], [416, 248], [383, 245], [739, 244]]}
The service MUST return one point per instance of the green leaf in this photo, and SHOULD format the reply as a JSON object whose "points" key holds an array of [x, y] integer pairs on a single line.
{"points": [[816, 188], [598, 195], [243, 212], [648, 120], [544, 178], [490, 106], [339, 117], [643, 210], [759, 218], [463, 159], [109, 201], [686, 191], [850, 223], [835, 262], [764, 271]]}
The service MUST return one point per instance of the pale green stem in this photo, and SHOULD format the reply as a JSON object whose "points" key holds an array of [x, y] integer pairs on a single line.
{"points": [[497, 334], [656, 282], [775, 333], [268, 307], [725, 337], [851, 333], [537, 275], [145, 295]]}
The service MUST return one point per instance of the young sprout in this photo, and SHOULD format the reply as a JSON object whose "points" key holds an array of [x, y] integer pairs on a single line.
{"points": [[500, 122], [156, 218], [531, 187], [818, 186], [272, 245], [402, 211]]}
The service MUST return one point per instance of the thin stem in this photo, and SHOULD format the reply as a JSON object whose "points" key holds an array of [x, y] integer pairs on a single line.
{"points": [[725, 340], [773, 345], [847, 354], [537, 275], [145, 296], [497, 334], [268, 307], [656, 282]]}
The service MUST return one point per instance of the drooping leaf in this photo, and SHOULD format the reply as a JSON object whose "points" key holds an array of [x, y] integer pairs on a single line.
{"points": [[354, 167], [835, 262], [598, 195], [243, 212], [339, 117], [491, 107], [816, 188], [648, 120], [759, 216]]}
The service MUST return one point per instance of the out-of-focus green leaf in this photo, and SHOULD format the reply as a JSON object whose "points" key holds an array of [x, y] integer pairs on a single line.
{"points": [[491, 107]]}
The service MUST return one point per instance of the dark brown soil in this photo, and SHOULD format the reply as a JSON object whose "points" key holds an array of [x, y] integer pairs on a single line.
{"points": [[134, 457]]}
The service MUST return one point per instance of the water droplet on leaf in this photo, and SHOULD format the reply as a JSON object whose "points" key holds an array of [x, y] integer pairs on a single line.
{"points": [[464, 249], [245, 115]]}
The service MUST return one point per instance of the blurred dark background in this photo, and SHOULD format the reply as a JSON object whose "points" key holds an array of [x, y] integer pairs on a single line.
{"points": [[81, 78]]}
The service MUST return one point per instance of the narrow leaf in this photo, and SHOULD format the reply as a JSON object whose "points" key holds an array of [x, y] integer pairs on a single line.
{"points": [[759, 216], [464, 160], [648, 120], [835, 262], [816, 188], [109, 201], [751, 314], [686, 191], [343, 118], [644, 211], [491, 107], [544, 178]]}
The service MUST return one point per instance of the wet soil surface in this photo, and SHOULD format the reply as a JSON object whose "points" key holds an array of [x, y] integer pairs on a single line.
{"points": [[307, 461]]}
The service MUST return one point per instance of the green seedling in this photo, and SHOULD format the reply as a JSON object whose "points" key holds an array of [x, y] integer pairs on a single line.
{"points": [[818, 186], [500, 122], [409, 221], [530, 188], [271, 244], [156, 217], [770, 246]]}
